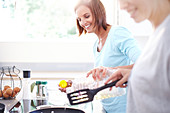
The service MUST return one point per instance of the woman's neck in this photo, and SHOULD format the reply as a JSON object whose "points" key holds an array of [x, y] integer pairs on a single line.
{"points": [[102, 34], [160, 13]]}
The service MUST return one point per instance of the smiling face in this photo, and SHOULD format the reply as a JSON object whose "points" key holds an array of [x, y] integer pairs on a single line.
{"points": [[85, 18], [138, 9]]}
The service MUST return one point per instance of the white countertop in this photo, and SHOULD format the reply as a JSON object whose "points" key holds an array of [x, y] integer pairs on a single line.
{"points": [[53, 79]]}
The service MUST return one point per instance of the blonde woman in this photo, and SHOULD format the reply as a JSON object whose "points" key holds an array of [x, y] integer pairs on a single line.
{"points": [[149, 81]]}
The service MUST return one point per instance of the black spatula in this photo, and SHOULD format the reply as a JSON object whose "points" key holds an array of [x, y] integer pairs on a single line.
{"points": [[87, 95]]}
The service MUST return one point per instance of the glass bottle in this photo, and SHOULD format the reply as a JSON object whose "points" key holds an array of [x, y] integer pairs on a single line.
{"points": [[39, 89], [26, 90], [26, 84], [44, 90]]}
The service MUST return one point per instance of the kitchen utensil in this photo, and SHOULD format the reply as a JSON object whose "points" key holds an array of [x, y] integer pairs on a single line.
{"points": [[57, 110], [86, 95]]}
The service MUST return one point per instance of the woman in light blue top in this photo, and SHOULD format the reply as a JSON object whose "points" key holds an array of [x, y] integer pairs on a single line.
{"points": [[120, 49], [114, 47]]}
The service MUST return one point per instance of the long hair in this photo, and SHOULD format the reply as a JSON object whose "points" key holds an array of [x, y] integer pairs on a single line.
{"points": [[98, 12]]}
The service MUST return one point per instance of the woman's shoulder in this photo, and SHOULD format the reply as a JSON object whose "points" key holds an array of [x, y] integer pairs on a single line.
{"points": [[120, 31], [118, 28]]}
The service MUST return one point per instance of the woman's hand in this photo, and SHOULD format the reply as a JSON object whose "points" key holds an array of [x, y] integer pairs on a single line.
{"points": [[69, 84], [62, 89], [122, 74], [96, 73]]}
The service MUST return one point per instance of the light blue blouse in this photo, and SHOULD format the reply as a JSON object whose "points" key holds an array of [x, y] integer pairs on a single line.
{"points": [[120, 49]]}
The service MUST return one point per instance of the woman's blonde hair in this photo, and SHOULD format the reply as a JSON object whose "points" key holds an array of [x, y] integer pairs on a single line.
{"points": [[98, 12]]}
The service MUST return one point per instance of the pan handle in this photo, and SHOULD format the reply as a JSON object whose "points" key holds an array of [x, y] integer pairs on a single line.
{"points": [[108, 85]]}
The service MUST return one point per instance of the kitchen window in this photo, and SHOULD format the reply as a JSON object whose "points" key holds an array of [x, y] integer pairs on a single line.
{"points": [[37, 19]]}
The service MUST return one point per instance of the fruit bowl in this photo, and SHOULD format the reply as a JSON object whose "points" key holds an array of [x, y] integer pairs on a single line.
{"points": [[10, 82]]}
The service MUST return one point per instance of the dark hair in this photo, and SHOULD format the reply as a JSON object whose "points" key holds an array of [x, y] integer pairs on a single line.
{"points": [[98, 12]]}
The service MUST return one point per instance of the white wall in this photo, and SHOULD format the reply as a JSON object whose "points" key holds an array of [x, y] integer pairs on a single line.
{"points": [[56, 55], [61, 51], [67, 51], [70, 55]]}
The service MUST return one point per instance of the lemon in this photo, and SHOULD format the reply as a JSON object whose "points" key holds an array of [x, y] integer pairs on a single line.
{"points": [[63, 84]]}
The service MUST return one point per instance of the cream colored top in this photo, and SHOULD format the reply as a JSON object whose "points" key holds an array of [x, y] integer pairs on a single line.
{"points": [[149, 83]]}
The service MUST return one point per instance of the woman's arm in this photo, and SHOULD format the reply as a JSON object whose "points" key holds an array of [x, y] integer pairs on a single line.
{"points": [[123, 67], [96, 71]]}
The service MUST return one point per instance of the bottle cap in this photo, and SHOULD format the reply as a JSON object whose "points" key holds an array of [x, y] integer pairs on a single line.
{"points": [[38, 82], [44, 82], [26, 73]]}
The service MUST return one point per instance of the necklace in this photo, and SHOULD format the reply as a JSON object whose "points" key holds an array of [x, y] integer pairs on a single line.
{"points": [[101, 43], [102, 39]]}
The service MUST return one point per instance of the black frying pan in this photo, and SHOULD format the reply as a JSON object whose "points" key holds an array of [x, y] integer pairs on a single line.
{"points": [[57, 110]]}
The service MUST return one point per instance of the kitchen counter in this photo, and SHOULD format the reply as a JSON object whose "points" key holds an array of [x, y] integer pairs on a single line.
{"points": [[26, 105], [55, 98], [23, 105]]}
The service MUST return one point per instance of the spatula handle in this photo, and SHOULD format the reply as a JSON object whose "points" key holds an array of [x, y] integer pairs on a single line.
{"points": [[108, 85]]}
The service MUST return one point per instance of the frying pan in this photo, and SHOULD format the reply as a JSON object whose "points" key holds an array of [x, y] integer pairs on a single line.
{"points": [[57, 110]]}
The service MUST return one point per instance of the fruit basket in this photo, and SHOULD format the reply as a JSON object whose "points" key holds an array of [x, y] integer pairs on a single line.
{"points": [[10, 82]]}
